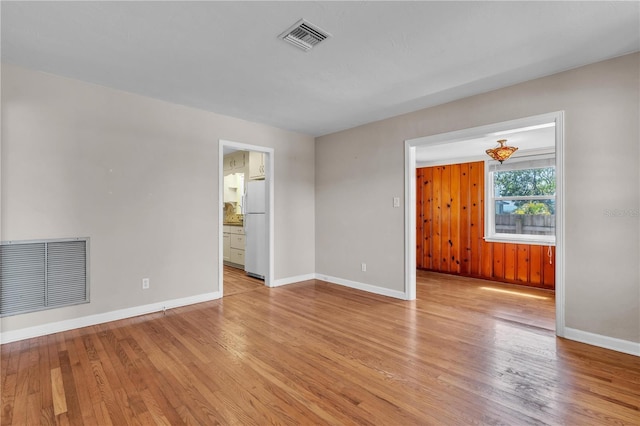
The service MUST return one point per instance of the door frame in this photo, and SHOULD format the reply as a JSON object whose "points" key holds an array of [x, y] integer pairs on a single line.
{"points": [[410, 147], [269, 179]]}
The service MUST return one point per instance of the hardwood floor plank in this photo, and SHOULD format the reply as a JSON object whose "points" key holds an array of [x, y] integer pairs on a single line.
{"points": [[19, 415], [465, 352], [74, 410], [45, 390], [155, 409], [90, 396], [9, 385], [101, 413], [57, 386]]}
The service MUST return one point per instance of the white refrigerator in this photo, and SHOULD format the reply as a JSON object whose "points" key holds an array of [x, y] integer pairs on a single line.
{"points": [[255, 227]]}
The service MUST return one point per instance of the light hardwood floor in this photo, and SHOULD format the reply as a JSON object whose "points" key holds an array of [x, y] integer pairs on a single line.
{"points": [[236, 281], [317, 353]]}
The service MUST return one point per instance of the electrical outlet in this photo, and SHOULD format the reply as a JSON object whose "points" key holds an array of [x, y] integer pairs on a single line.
{"points": [[145, 283], [364, 267], [396, 201]]}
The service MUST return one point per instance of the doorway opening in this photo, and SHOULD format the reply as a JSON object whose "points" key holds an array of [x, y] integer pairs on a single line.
{"points": [[468, 145], [245, 225]]}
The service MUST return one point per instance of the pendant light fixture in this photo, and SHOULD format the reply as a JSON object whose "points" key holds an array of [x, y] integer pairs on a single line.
{"points": [[502, 152]]}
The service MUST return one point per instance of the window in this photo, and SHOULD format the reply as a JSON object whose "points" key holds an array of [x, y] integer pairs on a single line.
{"points": [[521, 200], [38, 275]]}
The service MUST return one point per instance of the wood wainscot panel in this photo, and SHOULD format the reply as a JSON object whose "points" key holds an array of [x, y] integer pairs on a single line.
{"points": [[420, 219], [476, 173], [465, 220], [455, 212]]}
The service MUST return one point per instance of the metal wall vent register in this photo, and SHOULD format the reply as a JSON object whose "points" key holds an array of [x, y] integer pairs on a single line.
{"points": [[38, 275], [304, 35]]}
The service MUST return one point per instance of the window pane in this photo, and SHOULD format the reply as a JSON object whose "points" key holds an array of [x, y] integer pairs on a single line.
{"points": [[525, 217], [526, 182]]}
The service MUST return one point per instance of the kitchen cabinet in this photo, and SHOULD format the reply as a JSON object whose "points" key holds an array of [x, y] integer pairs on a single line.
{"points": [[256, 165], [234, 189], [233, 246], [235, 162], [226, 244]]}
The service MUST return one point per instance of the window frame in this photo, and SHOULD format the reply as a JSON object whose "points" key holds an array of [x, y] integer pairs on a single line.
{"points": [[517, 163]]}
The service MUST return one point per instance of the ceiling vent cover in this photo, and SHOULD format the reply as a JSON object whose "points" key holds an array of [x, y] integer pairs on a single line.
{"points": [[304, 35]]}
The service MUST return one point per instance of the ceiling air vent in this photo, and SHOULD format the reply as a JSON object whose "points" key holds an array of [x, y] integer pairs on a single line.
{"points": [[304, 35]]}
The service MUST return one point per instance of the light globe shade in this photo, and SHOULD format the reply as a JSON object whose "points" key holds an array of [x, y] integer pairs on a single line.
{"points": [[502, 152]]}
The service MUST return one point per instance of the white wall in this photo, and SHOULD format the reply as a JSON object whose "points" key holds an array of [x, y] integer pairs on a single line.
{"points": [[358, 171], [140, 178]]}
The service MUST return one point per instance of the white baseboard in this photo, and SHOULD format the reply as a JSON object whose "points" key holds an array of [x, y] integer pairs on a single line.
{"points": [[619, 345], [70, 324], [341, 281], [292, 280], [362, 286]]}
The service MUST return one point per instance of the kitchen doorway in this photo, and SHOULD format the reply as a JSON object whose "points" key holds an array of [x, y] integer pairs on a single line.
{"points": [[245, 223], [444, 141]]}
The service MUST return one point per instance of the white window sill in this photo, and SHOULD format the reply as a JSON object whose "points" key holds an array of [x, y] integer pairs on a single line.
{"points": [[522, 239]]}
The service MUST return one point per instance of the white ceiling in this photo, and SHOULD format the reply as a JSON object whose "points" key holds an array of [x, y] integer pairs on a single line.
{"points": [[527, 141], [384, 59]]}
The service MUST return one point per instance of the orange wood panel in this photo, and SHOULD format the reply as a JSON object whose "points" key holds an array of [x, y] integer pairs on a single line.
{"points": [[510, 261], [549, 268], [428, 217], [498, 260], [535, 265], [522, 274], [487, 259], [454, 212], [465, 236], [445, 220], [436, 247], [420, 234], [476, 220]]}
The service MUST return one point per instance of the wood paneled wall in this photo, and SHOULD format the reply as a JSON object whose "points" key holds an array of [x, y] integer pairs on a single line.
{"points": [[450, 231]]}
